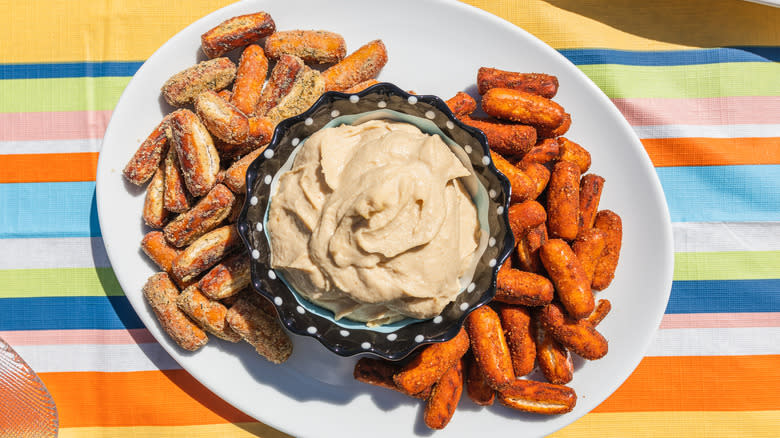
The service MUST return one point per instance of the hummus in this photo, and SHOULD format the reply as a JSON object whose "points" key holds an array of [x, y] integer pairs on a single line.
{"points": [[372, 223]]}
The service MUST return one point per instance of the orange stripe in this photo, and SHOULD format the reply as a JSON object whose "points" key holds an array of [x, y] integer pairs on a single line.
{"points": [[699, 383], [22, 168], [692, 151]]}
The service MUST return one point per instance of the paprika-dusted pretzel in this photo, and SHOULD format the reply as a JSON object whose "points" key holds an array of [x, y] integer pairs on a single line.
{"points": [[444, 397], [569, 278], [522, 107], [535, 83], [579, 336], [361, 65], [250, 77], [489, 347], [427, 367], [538, 397]]}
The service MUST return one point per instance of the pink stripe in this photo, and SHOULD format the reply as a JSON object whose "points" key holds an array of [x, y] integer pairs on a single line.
{"points": [[735, 110], [66, 125], [60, 337], [720, 320]]}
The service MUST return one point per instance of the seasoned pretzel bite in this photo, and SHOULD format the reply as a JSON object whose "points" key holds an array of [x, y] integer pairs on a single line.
{"points": [[227, 278], [282, 79], [571, 151], [578, 335], [489, 347], [235, 175], [202, 218], [538, 173], [569, 278], [522, 185], [563, 201], [427, 367], [461, 104], [599, 313], [161, 294], [514, 286], [545, 133], [538, 397], [312, 46], [476, 387], [361, 86], [147, 157], [260, 328], [528, 249], [159, 250], [588, 247], [250, 77], [208, 314], [198, 158], [543, 152], [362, 64], [553, 358], [510, 139], [610, 223], [535, 83], [525, 215], [591, 186], [236, 32], [444, 398], [229, 124], [380, 372], [516, 322], [175, 196], [205, 252], [522, 107], [183, 87], [307, 88], [154, 213]]}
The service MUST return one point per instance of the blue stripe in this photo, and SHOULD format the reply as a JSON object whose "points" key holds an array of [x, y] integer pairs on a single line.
{"points": [[724, 296], [576, 56], [68, 313], [722, 193]]}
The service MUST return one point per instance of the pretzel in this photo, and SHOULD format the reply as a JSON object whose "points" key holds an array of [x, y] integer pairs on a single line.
{"points": [[538, 173], [380, 373], [208, 314], [521, 184], [522, 107], [578, 336], [569, 278], [154, 213], [610, 223], [543, 152], [489, 347], [538, 397], [202, 218], [427, 367], [282, 79], [599, 313], [444, 398], [259, 328], [571, 151], [461, 104], [361, 65], [229, 124], [236, 32], [545, 133], [312, 46], [146, 159], [535, 83], [516, 322], [250, 77], [175, 196], [528, 249], [159, 250], [476, 387], [361, 86], [183, 87], [588, 247], [525, 215], [591, 186], [205, 252], [226, 278], [307, 88], [553, 358], [161, 295], [510, 139], [524, 288], [235, 175], [198, 159], [563, 201]]}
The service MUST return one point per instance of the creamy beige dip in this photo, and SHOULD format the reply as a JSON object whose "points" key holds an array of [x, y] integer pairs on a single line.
{"points": [[372, 222]]}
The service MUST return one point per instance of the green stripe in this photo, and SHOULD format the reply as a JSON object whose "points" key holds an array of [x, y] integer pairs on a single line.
{"points": [[61, 94], [66, 282], [731, 265], [686, 81]]}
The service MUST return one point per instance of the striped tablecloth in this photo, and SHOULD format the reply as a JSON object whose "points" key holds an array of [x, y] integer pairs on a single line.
{"points": [[698, 80]]}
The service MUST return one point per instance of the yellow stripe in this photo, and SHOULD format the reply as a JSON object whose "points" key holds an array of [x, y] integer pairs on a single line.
{"points": [[131, 30], [232, 430]]}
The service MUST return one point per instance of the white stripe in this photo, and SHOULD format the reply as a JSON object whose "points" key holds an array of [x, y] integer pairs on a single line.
{"points": [[726, 236], [716, 342], [91, 357], [50, 146], [58, 252], [707, 131]]}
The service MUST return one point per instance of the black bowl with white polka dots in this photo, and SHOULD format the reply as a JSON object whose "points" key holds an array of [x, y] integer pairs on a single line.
{"points": [[348, 341]]}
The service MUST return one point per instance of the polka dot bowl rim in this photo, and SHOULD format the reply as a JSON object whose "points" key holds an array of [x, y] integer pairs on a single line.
{"points": [[349, 338]]}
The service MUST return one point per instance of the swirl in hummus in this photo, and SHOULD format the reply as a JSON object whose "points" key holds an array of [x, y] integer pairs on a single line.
{"points": [[372, 223]]}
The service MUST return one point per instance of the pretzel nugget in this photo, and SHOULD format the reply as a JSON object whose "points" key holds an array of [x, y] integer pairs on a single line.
{"points": [[588, 247], [235, 176], [553, 358], [236, 32], [489, 347], [522, 185], [380, 373], [569, 278], [161, 295], [535, 83], [571, 151], [545, 133], [610, 223], [525, 215], [516, 322], [538, 173], [514, 286], [312, 46], [528, 249], [147, 157], [361, 86], [538, 397], [154, 213], [198, 158], [282, 79], [205, 252], [261, 329], [563, 201], [508, 139], [599, 313], [432, 362], [543, 152], [250, 77], [226, 278], [175, 196], [208, 314], [229, 124], [476, 387], [183, 87], [202, 218], [461, 104], [590, 194], [578, 336], [362, 64], [306, 89], [522, 107], [159, 250], [444, 398]]}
